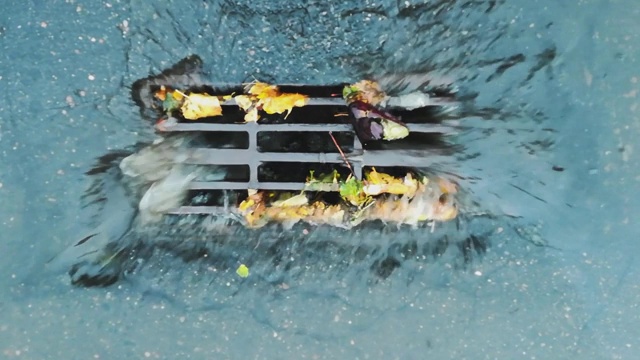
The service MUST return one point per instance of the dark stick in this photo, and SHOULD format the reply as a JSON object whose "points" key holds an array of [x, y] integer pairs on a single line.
{"points": [[342, 153]]}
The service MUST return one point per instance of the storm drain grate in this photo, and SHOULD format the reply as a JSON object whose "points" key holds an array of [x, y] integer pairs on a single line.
{"points": [[277, 153]]}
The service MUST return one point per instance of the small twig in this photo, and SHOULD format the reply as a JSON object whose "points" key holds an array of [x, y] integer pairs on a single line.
{"points": [[342, 154]]}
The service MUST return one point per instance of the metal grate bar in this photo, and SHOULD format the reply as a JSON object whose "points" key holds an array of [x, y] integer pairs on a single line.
{"points": [[248, 156], [336, 101], [419, 128], [233, 185], [259, 127], [411, 158]]}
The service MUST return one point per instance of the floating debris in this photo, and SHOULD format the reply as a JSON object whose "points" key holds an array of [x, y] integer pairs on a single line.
{"points": [[242, 271]]}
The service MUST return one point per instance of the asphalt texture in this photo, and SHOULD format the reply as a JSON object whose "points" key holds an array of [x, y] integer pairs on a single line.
{"points": [[549, 150]]}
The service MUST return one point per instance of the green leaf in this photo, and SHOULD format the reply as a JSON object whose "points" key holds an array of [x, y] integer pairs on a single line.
{"points": [[170, 103], [242, 271], [351, 187], [325, 182], [331, 177], [320, 186], [393, 131], [348, 91], [352, 191]]}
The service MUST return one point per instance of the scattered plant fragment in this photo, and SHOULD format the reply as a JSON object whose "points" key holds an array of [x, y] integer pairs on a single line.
{"points": [[380, 196], [366, 91], [242, 271], [193, 106], [371, 122], [268, 98], [198, 106]]}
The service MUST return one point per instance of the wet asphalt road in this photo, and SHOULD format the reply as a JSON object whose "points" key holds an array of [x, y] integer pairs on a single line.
{"points": [[558, 85]]}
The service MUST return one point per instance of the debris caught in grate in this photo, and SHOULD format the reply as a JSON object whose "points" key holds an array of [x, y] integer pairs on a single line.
{"points": [[280, 136]]}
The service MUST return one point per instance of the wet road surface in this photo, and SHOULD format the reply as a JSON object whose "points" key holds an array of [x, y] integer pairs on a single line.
{"points": [[552, 141]]}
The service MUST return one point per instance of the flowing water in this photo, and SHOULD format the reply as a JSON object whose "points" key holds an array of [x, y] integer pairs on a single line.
{"points": [[545, 267]]}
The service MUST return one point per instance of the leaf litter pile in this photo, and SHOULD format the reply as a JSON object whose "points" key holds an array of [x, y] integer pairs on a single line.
{"points": [[259, 96], [377, 197]]}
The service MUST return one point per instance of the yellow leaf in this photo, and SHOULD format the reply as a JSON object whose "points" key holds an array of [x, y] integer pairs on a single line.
{"points": [[269, 99], [397, 189], [378, 183], [177, 95], [282, 103], [252, 115], [263, 90], [244, 102], [242, 271], [376, 178], [297, 200], [197, 106], [246, 204]]}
